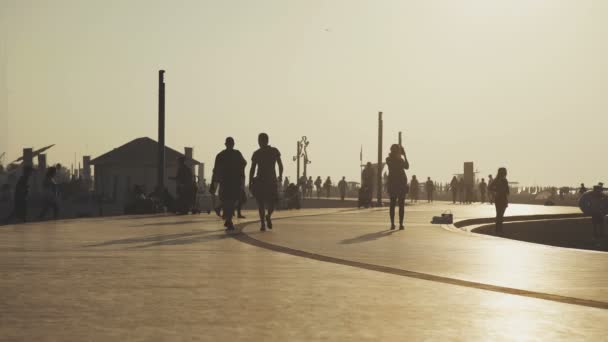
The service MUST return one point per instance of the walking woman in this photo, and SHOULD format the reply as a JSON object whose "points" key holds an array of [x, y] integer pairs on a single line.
{"points": [[397, 182], [499, 188]]}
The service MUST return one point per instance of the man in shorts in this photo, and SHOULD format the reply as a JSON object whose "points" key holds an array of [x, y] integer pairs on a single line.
{"points": [[263, 185]]}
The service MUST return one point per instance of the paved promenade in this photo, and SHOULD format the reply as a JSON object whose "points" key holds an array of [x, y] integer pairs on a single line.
{"points": [[326, 274]]}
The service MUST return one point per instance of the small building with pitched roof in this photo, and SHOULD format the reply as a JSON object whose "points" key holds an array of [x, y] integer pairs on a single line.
{"points": [[135, 163]]}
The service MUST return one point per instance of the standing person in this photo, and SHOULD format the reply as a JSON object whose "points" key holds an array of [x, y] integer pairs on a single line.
{"points": [[454, 189], [184, 180], [22, 189], [430, 189], [264, 184], [285, 184], [461, 190], [582, 189], [318, 184], [397, 182], [367, 185], [302, 185], [342, 187], [490, 193], [483, 188], [309, 186], [327, 186], [229, 173], [414, 189], [500, 189], [49, 187]]}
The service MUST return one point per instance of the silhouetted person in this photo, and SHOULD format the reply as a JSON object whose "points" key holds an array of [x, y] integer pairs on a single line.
{"points": [[490, 193], [468, 192], [483, 189], [229, 173], [22, 189], [309, 186], [500, 189], [342, 187], [327, 186], [397, 182], [414, 189], [367, 185], [318, 185], [461, 190], [50, 194], [582, 189], [302, 185], [430, 189], [264, 184], [285, 183], [454, 188], [184, 182]]}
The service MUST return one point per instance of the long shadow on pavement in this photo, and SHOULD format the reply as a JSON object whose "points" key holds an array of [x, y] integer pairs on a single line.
{"points": [[368, 237], [154, 239]]}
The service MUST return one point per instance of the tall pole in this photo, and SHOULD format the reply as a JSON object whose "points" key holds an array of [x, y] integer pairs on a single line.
{"points": [[161, 130], [379, 168], [400, 139], [298, 155]]}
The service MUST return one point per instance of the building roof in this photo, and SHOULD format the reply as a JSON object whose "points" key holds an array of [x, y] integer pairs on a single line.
{"points": [[139, 152]]}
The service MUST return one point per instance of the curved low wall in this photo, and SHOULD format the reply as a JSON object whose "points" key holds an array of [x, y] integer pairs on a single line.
{"points": [[560, 232]]}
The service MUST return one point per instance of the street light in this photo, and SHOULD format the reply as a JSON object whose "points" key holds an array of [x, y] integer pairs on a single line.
{"points": [[301, 152]]}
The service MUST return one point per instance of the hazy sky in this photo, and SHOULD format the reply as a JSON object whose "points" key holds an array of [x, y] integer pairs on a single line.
{"points": [[519, 83]]}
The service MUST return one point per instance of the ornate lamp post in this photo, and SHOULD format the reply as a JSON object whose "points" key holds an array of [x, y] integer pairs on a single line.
{"points": [[302, 153]]}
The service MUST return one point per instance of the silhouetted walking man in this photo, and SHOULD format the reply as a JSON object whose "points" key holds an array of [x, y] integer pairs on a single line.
{"points": [[414, 189], [309, 186], [500, 189], [342, 187], [264, 184], [483, 188], [490, 192], [302, 185], [430, 189], [318, 185], [22, 189], [454, 189], [50, 194], [185, 187], [327, 186], [229, 173]]}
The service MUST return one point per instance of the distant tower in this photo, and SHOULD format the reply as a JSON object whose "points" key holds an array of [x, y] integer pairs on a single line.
{"points": [[161, 131]]}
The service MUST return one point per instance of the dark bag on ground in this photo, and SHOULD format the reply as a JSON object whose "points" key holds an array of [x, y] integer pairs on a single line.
{"points": [[445, 218]]}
